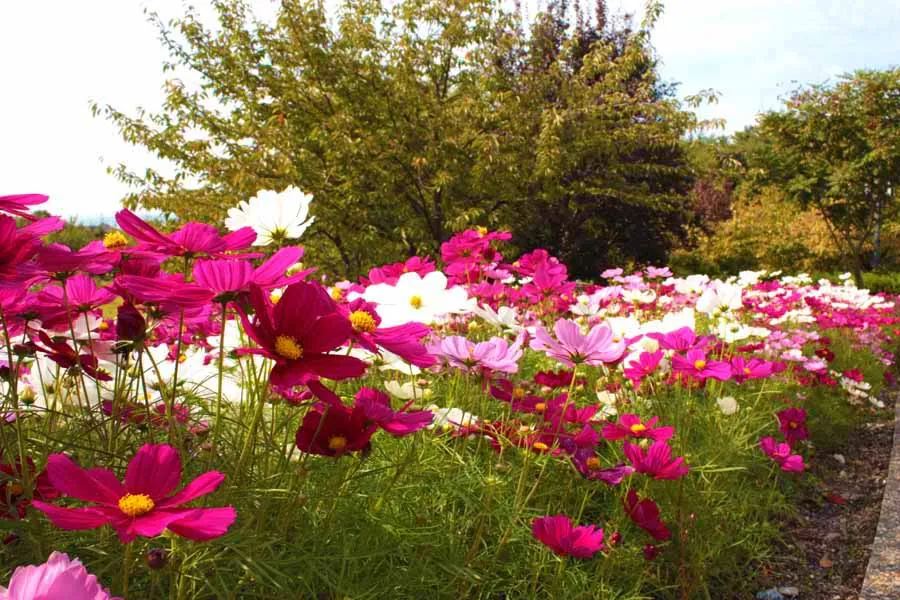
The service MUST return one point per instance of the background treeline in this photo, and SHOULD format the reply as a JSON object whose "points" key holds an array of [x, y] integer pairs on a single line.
{"points": [[413, 119]]}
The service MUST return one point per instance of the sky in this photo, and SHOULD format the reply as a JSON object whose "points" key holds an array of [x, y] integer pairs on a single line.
{"points": [[57, 56]]}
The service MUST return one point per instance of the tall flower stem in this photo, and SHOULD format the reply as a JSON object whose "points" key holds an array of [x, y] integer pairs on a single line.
{"points": [[218, 427]]}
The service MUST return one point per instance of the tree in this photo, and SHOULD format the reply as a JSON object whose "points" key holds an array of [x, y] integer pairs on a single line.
{"points": [[412, 120], [837, 148]]}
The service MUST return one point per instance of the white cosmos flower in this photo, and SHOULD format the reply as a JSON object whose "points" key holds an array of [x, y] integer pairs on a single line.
{"points": [[720, 297], [728, 405], [450, 418], [274, 216], [403, 391], [418, 299], [505, 317]]}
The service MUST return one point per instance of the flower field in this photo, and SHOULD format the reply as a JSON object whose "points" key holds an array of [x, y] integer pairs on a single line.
{"points": [[192, 414]]}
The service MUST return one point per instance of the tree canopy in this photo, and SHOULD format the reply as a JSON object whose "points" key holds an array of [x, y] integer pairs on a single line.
{"points": [[413, 119]]}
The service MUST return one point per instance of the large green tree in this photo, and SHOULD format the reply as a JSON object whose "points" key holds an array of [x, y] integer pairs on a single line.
{"points": [[412, 119], [836, 148]]}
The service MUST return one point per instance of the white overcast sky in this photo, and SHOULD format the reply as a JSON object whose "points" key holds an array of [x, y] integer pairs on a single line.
{"points": [[58, 55]]}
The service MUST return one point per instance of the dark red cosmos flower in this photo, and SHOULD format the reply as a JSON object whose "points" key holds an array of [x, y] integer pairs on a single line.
{"points": [[193, 239], [560, 535], [13, 499], [792, 422], [334, 430], [376, 406], [645, 514], [66, 357], [554, 379], [298, 333]]}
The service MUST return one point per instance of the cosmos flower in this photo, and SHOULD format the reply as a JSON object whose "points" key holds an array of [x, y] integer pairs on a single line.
{"points": [[694, 365], [792, 423], [58, 578], [298, 333], [144, 505], [193, 239], [631, 426], [645, 514], [571, 347], [334, 430], [558, 534], [781, 454], [418, 299], [274, 216], [656, 462]]}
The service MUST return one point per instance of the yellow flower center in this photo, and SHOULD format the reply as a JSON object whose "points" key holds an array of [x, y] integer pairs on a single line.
{"points": [[593, 463], [182, 358], [699, 364], [638, 427], [15, 489], [114, 240], [336, 294], [793, 425], [540, 406], [746, 370], [337, 443], [540, 446], [275, 296], [103, 326], [288, 347], [482, 231], [416, 302], [518, 393], [362, 321], [135, 505]]}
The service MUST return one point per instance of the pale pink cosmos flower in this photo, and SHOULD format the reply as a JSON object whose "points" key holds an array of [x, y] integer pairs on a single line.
{"points": [[571, 347], [60, 577], [496, 354]]}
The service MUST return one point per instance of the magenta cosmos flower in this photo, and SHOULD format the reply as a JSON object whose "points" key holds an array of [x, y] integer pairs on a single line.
{"points": [[403, 340], [298, 333], [657, 462], [781, 454], [573, 348], [19, 204], [645, 514], [644, 365], [59, 578], [558, 534], [630, 426], [694, 365], [144, 505], [193, 239]]}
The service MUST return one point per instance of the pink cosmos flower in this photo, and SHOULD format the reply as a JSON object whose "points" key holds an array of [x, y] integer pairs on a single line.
{"points": [[792, 422], [658, 272], [144, 505], [755, 368], [19, 204], [645, 514], [227, 278], [60, 305], [17, 247], [496, 354], [694, 365], [573, 348], [193, 239], [630, 426], [60, 260], [588, 464], [657, 461], [781, 454], [680, 339], [558, 534], [60, 578], [644, 366]]}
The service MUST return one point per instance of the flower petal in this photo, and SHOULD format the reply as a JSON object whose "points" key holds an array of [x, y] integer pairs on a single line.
{"points": [[203, 524], [72, 518], [201, 486], [155, 470], [90, 485]]}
